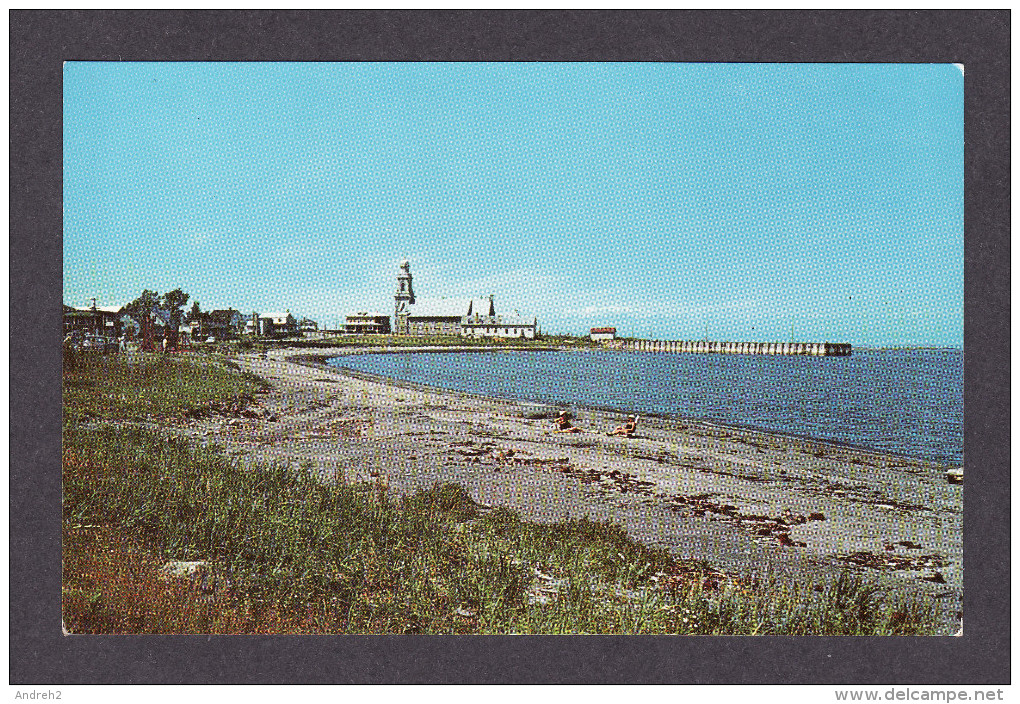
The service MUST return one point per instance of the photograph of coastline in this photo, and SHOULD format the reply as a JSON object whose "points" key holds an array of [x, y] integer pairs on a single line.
{"points": [[490, 348]]}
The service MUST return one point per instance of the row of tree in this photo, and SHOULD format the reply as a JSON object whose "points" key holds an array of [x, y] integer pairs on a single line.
{"points": [[172, 303]]}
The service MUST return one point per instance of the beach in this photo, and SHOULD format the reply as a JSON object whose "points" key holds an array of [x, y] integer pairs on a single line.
{"points": [[744, 501]]}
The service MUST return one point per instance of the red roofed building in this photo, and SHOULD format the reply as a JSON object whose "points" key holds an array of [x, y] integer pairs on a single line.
{"points": [[603, 334]]}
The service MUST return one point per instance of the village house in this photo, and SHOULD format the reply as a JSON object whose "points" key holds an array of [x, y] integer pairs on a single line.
{"points": [[278, 324], [226, 324], [251, 325], [115, 324], [602, 334], [365, 323], [93, 320]]}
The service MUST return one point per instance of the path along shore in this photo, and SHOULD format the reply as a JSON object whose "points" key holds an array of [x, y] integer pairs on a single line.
{"points": [[745, 501]]}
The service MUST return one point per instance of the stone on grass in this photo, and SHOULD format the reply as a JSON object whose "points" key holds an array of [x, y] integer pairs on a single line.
{"points": [[208, 578]]}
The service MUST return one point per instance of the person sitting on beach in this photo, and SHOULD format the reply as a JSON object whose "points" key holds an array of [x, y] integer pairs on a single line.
{"points": [[563, 424], [627, 429]]}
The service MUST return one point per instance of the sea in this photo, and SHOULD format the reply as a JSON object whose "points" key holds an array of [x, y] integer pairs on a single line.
{"points": [[900, 401]]}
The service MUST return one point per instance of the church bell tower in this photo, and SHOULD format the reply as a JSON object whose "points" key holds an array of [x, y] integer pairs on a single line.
{"points": [[404, 298]]}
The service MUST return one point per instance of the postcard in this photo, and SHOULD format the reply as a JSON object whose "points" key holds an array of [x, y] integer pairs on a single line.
{"points": [[513, 348]]}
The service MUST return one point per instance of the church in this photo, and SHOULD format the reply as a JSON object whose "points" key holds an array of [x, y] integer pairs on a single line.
{"points": [[462, 317]]}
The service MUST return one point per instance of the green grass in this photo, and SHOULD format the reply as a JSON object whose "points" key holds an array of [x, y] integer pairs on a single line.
{"points": [[138, 386], [307, 555]]}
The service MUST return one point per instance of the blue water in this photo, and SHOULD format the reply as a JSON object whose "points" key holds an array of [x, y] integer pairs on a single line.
{"points": [[908, 402]]}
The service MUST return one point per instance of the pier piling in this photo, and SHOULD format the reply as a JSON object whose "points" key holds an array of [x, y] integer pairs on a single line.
{"points": [[808, 349]]}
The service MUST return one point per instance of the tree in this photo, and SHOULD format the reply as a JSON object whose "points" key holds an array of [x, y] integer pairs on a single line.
{"points": [[141, 309], [196, 319], [173, 302], [144, 304]]}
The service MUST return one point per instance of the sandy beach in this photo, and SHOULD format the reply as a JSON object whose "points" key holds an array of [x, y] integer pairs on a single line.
{"points": [[745, 501]]}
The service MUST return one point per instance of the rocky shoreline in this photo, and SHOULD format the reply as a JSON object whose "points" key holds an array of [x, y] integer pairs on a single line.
{"points": [[746, 502]]}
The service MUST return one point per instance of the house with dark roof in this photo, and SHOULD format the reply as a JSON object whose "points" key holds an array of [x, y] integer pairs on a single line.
{"points": [[223, 324], [441, 316], [93, 320]]}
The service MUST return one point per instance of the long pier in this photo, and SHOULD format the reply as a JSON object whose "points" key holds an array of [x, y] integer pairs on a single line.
{"points": [[807, 349]]}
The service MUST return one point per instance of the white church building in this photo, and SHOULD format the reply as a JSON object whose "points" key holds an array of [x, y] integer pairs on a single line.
{"points": [[465, 317]]}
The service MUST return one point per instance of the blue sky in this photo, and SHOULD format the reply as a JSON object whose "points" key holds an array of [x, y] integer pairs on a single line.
{"points": [[668, 200]]}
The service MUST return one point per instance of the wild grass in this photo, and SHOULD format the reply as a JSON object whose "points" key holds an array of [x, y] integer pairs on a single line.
{"points": [[299, 553], [146, 386]]}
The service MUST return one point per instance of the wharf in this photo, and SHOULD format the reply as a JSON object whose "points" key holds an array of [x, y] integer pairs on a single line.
{"points": [[807, 349]]}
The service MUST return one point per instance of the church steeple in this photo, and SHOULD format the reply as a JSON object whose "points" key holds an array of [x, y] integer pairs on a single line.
{"points": [[404, 297]]}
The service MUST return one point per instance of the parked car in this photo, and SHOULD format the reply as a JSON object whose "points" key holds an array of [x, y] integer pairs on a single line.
{"points": [[94, 343]]}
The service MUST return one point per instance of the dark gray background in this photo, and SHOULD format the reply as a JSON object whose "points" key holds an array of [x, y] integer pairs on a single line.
{"points": [[41, 41]]}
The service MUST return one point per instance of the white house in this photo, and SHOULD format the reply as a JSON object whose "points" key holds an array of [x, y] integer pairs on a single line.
{"points": [[492, 325], [279, 324], [365, 323]]}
